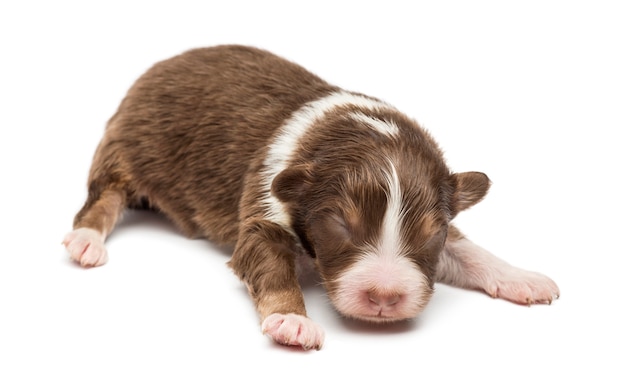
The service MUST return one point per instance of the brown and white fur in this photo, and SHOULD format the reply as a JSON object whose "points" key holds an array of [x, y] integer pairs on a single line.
{"points": [[242, 147]]}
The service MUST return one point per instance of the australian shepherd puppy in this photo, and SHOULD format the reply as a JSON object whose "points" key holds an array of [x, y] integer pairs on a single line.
{"points": [[245, 148]]}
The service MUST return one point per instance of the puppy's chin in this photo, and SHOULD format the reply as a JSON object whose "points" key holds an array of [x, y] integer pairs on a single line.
{"points": [[378, 320]]}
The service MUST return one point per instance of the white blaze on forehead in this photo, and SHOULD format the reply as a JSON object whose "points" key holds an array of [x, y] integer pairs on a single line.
{"points": [[390, 243], [282, 149]]}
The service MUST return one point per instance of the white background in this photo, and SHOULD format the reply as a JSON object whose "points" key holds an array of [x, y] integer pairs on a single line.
{"points": [[533, 94]]}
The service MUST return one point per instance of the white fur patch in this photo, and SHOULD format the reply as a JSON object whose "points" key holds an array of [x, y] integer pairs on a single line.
{"points": [[385, 127], [281, 151], [390, 242]]}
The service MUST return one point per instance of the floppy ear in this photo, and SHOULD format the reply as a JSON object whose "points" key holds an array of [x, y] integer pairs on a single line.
{"points": [[292, 183], [469, 189]]}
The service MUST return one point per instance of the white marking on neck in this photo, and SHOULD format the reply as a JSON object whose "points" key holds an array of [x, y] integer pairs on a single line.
{"points": [[385, 127], [282, 149]]}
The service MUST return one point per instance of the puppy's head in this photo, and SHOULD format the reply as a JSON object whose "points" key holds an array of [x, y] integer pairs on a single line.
{"points": [[376, 228]]}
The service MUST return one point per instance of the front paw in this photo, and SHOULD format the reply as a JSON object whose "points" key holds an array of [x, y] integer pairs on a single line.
{"points": [[522, 287], [295, 330], [86, 247]]}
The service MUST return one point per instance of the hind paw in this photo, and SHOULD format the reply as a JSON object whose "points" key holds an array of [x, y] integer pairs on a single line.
{"points": [[523, 287], [86, 247]]}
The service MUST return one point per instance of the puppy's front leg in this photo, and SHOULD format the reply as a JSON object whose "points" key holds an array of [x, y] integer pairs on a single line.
{"points": [[264, 259], [464, 264]]}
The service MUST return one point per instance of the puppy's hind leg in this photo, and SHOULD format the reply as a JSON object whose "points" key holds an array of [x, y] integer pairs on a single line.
{"points": [[94, 222], [466, 265]]}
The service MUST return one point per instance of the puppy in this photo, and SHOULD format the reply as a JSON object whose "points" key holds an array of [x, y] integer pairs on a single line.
{"points": [[244, 148]]}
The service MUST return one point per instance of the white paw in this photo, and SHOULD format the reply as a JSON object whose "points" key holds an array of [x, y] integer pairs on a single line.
{"points": [[86, 247], [292, 329], [522, 287]]}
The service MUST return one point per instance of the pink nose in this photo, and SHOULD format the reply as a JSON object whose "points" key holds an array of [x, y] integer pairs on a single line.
{"points": [[384, 300]]}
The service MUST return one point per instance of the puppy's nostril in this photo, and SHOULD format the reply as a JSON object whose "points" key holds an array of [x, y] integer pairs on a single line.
{"points": [[384, 300]]}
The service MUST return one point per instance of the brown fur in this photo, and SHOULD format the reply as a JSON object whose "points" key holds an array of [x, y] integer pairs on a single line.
{"points": [[208, 106], [190, 138]]}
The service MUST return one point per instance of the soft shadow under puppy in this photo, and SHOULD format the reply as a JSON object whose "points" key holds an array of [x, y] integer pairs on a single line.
{"points": [[153, 220], [144, 218]]}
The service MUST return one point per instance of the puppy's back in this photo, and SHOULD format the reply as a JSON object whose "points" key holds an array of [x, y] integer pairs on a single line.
{"points": [[190, 128]]}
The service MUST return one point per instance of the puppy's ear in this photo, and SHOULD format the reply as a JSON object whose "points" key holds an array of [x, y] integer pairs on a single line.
{"points": [[469, 189], [292, 183]]}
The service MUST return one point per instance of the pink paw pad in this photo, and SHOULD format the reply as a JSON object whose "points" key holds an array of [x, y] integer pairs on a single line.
{"points": [[292, 329], [86, 247]]}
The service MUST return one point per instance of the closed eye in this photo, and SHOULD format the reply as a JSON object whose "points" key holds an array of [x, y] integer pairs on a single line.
{"points": [[338, 225]]}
